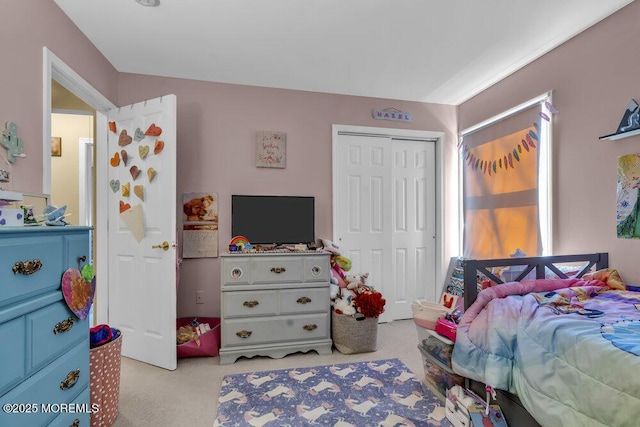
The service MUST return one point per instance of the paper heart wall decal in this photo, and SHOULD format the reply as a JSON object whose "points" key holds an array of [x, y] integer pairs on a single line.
{"points": [[115, 160], [158, 147], [112, 127], [124, 139], [114, 184], [134, 172], [125, 156], [138, 135], [143, 150], [124, 206], [125, 190], [153, 130], [139, 191], [78, 292], [151, 173]]}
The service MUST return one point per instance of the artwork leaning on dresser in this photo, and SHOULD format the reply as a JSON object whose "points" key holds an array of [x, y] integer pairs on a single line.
{"points": [[44, 355], [274, 304]]}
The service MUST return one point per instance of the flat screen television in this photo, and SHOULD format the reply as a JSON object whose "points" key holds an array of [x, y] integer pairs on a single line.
{"points": [[273, 219]]}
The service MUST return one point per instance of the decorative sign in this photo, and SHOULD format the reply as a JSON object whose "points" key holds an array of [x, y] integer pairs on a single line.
{"points": [[392, 114], [271, 149]]}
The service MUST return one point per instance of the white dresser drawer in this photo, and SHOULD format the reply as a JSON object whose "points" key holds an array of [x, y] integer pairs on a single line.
{"points": [[304, 300], [242, 332], [250, 303], [316, 268], [236, 270], [276, 269]]}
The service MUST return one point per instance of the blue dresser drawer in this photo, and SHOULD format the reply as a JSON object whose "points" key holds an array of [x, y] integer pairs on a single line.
{"points": [[18, 280], [52, 330], [13, 365], [78, 414], [55, 384]]}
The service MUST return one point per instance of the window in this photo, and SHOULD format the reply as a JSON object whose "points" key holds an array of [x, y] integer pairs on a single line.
{"points": [[506, 182]]}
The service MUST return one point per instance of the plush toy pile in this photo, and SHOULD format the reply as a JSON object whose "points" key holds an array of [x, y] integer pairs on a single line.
{"points": [[350, 293]]}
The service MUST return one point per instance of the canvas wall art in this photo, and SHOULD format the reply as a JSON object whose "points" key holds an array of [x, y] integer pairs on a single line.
{"points": [[628, 188], [271, 149]]}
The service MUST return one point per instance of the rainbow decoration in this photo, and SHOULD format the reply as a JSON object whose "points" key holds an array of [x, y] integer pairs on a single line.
{"points": [[239, 242]]}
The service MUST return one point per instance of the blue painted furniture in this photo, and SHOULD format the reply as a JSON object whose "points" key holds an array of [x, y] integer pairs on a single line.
{"points": [[44, 347]]}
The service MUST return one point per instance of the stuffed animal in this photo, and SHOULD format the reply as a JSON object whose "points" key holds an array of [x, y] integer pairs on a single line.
{"points": [[343, 306], [357, 281]]}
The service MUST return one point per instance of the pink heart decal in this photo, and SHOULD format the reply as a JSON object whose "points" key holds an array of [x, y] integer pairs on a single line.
{"points": [[134, 172], [78, 292], [124, 139], [125, 156]]}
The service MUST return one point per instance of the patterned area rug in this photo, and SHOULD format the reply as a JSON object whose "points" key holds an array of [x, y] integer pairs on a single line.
{"points": [[362, 394]]}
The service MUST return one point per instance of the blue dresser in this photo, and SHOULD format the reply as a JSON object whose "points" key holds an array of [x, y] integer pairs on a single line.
{"points": [[44, 347]]}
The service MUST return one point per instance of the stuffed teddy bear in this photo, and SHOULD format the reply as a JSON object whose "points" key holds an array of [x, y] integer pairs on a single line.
{"points": [[357, 281]]}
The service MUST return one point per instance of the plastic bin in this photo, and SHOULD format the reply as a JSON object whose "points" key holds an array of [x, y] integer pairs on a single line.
{"points": [[438, 346], [209, 341], [437, 376], [104, 372]]}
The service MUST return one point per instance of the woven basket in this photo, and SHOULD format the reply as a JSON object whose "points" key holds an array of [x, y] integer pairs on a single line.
{"points": [[105, 382], [351, 335]]}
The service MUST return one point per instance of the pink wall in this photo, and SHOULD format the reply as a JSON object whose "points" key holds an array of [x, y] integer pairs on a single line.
{"points": [[217, 124], [592, 76], [27, 27]]}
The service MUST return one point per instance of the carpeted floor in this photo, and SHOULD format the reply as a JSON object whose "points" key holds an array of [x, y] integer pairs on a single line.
{"points": [[374, 393]]}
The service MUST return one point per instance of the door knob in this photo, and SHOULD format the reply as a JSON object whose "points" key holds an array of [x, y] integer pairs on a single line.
{"points": [[164, 246]]}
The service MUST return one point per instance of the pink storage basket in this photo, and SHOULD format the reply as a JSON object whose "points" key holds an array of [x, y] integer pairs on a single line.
{"points": [[209, 341], [104, 364]]}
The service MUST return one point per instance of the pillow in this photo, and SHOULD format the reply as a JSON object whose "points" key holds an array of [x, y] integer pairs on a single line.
{"points": [[609, 276]]}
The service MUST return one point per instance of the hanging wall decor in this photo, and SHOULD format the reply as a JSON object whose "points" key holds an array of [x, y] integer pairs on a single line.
{"points": [[13, 144], [271, 149], [200, 225], [56, 146], [628, 200]]}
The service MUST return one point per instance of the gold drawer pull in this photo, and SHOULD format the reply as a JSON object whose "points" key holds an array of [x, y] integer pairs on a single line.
{"points": [[303, 300], [70, 380], [63, 326], [278, 270], [244, 333], [76, 423], [310, 327], [250, 304], [27, 267]]}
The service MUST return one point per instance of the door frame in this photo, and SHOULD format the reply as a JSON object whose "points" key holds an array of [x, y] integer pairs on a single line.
{"points": [[402, 134], [54, 68], [85, 181]]}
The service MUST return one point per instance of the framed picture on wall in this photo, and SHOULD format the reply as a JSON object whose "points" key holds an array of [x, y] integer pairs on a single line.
{"points": [[271, 149], [56, 146]]}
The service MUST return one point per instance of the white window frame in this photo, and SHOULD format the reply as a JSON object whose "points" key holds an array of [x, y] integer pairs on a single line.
{"points": [[545, 174]]}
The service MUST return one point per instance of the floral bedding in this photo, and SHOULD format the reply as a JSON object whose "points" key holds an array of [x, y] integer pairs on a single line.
{"points": [[569, 348]]}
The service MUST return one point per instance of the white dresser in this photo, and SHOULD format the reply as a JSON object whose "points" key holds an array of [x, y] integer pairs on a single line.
{"points": [[44, 350], [274, 304]]}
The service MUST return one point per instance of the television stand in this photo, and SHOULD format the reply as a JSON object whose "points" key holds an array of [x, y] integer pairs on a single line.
{"points": [[274, 304]]}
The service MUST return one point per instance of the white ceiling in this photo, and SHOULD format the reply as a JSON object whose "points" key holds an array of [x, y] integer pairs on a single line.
{"points": [[440, 51]]}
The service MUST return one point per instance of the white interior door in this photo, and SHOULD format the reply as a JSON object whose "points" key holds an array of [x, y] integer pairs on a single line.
{"points": [[142, 269], [384, 215]]}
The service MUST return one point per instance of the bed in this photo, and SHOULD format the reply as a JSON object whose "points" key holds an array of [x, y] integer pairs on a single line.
{"points": [[561, 350]]}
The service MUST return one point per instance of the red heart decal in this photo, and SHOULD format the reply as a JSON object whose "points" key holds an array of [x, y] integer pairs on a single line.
{"points": [[158, 147], [125, 156], [124, 139], [134, 172], [124, 206], [112, 127], [153, 130]]}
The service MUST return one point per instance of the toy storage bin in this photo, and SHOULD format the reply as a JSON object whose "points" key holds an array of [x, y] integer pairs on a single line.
{"points": [[351, 335], [104, 384], [438, 376], [426, 313], [438, 346], [209, 341]]}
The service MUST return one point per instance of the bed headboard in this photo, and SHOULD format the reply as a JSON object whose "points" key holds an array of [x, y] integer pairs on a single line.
{"points": [[474, 267]]}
